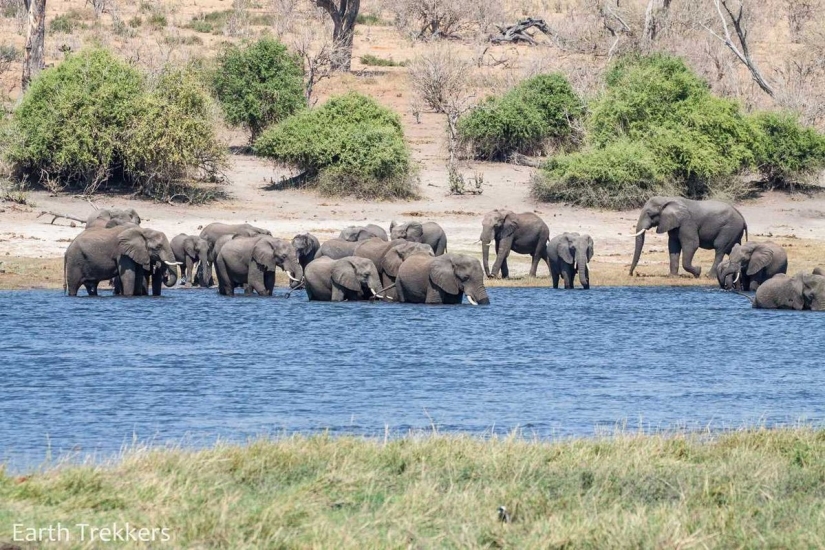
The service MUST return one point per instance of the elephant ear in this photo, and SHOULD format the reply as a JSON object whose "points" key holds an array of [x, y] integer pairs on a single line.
{"points": [[442, 275], [564, 250], [415, 231], [589, 248], [760, 259], [189, 248], [391, 262], [672, 216], [343, 274], [364, 234], [132, 243], [262, 253], [510, 225]]}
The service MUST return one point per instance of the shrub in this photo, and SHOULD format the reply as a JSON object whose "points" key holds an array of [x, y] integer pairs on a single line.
{"points": [[212, 22], [157, 21], [351, 145], [259, 84], [370, 19], [524, 120], [62, 23], [624, 174], [375, 61], [135, 22], [788, 151], [91, 120]]}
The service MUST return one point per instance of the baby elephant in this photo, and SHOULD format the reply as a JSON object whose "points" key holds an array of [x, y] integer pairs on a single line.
{"points": [[445, 279], [751, 264], [802, 291], [569, 254], [190, 250], [346, 279], [251, 261]]}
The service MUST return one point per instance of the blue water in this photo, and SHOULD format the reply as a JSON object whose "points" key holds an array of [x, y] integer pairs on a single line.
{"points": [[90, 375]]}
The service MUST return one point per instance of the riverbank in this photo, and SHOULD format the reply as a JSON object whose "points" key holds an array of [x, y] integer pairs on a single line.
{"points": [[749, 488]]}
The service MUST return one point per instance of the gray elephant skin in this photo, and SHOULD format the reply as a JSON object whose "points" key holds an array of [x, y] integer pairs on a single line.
{"points": [[128, 253], [800, 292], [444, 279], [570, 253], [306, 245], [391, 262], [355, 233], [337, 249], [428, 233], [690, 225], [111, 217], [251, 262], [374, 249], [751, 264], [345, 279], [191, 250], [523, 233], [214, 231]]}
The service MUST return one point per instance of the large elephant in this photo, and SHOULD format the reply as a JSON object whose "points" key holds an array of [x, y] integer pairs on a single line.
{"points": [[570, 253], [363, 232], [337, 249], [350, 278], [802, 291], [523, 233], [428, 232], [191, 250], [306, 246], [444, 279], [214, 231], [374, 249], [690, 225], [127, 253], [251, 262], [111, 217], [391, 262], [751, 264]]}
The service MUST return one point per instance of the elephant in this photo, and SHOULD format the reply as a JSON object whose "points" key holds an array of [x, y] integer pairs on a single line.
{"points": [[374, 249], [127, 253], [306, 245], [391, 261], [751, 264], [214, 231], [362, 233], [690, 225], [428, 232], [251, 261], [337, 249], [444, 279], [191, 250], [569, 254], [111, 217], [349, 278], [523, 233], [802, 291]]}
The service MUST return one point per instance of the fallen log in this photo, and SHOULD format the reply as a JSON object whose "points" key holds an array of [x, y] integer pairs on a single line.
{"points": [[55, 215], [518, 32]]}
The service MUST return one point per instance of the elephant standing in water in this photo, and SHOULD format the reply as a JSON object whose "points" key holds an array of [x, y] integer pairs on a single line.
{"points": [[428, 233], [214, 231], [128, 253], [190, 250], [444, 279], [355, 233], [251, 262], [391, 262], [111, 217], [690, 225], [350, 278], [569, 254], [374, 249], [306, 245], [802, 291], [751, 264], [523, 233], [337, 249]]}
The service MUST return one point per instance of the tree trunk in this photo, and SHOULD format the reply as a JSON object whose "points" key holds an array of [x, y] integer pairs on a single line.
{"points": [[33, 61], [656, 11], [343, 14]]}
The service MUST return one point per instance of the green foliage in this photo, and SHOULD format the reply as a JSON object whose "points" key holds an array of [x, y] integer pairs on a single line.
{"points": [[92, 120], [135, 22], [371, 19], [524, 120], [351, 145], [157, 21], [375, 61], [624, 174], [212, 22], [787, 150], [182, 40], [62, 23], [258, 84]]}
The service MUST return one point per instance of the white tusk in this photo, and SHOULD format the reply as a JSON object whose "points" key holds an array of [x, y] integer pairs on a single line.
{"points": [[736, 280], [172, 263], [639, 233], [373, 292], [470, 299], [291, 278]]}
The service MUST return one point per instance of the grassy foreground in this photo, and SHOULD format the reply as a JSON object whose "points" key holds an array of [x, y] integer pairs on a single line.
{"points": [[755, 488]]}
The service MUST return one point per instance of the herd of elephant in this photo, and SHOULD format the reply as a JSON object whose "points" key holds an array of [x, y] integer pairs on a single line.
{"points": [[411, 263]]}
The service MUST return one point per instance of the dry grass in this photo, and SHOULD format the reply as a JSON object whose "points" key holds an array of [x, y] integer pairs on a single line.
{"points": [[742, 489]]}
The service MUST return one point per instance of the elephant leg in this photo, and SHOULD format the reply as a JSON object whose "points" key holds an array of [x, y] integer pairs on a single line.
{"points": [[674, 248], [433, 296], [687, 260], [225, 285], [157, 280], [718, 257], [502, 251], [505, 269], [586, 276], [187, 278], [337, 294], [568, 273], [269, 283], [534, 266], [91, 288], [554, 274]]}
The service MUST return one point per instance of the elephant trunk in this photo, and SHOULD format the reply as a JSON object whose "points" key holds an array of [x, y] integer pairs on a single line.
{"points": [[295, 273], [641, 227], [478, 295], [581, 266], [170, 277], [486, 237]]}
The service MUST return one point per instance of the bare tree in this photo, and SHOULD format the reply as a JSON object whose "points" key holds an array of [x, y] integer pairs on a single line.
{"points": [[434, 19], [732, 13], [33, 61], [655, 14], [343, 14], [799, 13], [318, 51]]}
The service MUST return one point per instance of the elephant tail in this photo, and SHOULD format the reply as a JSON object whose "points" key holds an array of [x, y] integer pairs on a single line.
{"points": [[746, 232], [65, 276]]}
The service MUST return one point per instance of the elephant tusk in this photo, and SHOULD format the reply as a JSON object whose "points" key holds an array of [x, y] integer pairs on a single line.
{"points": [[639, 232], [470, 299], [373, 292], [291, 278], [172, 263], [736, 280]]}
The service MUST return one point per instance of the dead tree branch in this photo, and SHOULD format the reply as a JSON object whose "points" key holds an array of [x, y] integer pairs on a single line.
{"points": [[518, 32], [55, 215]]}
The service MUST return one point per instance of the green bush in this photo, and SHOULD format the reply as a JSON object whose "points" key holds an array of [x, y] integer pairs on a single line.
{"points": [[524, 120], [92, 120], [212, 22], [375, 61], [62, 23], [788, 151], [157, 21], [135, 22], [624, 174], [351, 145], [259, 84]]}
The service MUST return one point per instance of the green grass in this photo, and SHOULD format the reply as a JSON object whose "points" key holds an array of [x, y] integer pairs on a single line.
{"points": [[375, 61], [742, 489], [371, 20]]}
